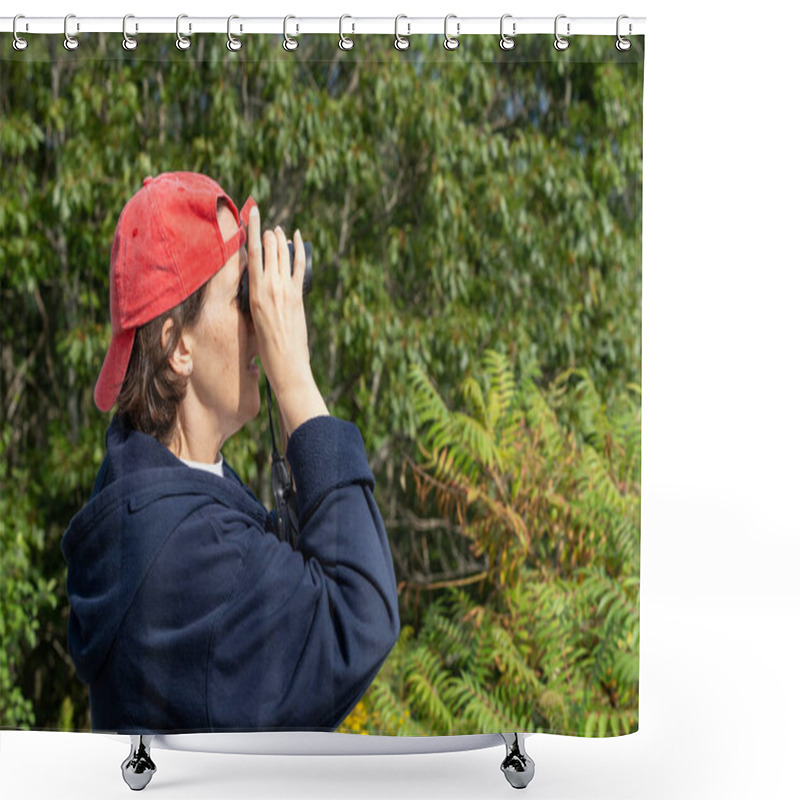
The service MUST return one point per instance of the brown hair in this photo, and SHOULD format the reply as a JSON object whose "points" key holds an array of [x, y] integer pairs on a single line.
{"points": [[152, 391]]}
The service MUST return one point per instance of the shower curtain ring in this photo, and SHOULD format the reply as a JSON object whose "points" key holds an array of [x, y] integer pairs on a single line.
{"points": [[70, 42], [234, 44], [19, 43], [507, 42], [345, 42], [401, 42], [561, 43], [182, 43], [451, 42], [289, 44], [622, 43], [128, 42]]}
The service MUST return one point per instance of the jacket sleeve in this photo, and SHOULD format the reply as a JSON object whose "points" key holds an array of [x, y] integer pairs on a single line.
{"points": [[305, 631]]}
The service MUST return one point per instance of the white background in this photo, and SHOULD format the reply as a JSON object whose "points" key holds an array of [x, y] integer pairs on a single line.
{"points": [[720, 703]]}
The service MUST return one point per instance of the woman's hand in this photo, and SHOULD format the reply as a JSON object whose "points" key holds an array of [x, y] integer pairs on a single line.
{"points": [[276, 305]]}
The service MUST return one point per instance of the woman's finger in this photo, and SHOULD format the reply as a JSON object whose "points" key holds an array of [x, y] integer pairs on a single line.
{"points": [[254, 257], [299, 261], [271, 269], [284, 264]]}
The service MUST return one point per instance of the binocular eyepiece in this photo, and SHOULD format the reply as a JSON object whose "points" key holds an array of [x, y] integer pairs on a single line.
{"points": [[244, 287]]}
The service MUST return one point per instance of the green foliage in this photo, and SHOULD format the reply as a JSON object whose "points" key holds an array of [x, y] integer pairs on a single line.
{"points": [[23, 590], [453, 200], [548, 639]]}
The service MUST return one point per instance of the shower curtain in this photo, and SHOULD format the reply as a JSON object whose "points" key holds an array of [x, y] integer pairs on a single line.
{"points": [[476, 311]]}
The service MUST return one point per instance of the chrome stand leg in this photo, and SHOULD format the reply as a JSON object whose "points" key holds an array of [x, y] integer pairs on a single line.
{"points": [[518, 766], [138, 768]]}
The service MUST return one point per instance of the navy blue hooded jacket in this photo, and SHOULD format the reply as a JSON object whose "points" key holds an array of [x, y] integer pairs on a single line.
{"points": [[188, 614]]}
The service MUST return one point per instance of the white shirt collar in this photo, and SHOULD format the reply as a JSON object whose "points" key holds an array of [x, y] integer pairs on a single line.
{"points": [[214, 469]]}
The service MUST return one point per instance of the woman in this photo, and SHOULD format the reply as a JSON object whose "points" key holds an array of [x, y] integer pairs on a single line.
{"points": [[187, 611]]}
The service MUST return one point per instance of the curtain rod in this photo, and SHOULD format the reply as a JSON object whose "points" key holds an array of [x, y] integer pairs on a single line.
{"points": [[453, 26]]}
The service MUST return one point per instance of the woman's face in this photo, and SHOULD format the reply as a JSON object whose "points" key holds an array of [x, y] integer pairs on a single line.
{"points": [[225, 372]]}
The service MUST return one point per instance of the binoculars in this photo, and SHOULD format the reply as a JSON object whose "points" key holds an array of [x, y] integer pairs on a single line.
{"points": [[244, 289]]}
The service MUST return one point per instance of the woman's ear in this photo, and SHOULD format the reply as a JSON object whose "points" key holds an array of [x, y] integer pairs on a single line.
{"points": [[180, 359]]}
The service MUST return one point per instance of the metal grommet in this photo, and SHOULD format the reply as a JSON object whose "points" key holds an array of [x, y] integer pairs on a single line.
{"points": [[450, 42], [289, 44], [128, 42], [345, 42], [234, 44], [623, 44], [182, 43], [507, 42], [70, 42], [19, 43], [561, 43], [401, 42]]}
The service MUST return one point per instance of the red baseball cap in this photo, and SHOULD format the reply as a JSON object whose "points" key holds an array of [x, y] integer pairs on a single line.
{"points": [[167, 244]]}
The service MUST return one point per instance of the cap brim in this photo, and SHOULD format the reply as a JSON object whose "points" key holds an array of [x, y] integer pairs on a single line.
{"points": [[115, 366]]}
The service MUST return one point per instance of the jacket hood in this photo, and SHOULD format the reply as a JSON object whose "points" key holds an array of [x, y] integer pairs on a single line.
{"points": [[112, 542]]}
